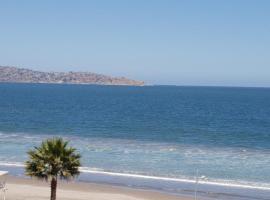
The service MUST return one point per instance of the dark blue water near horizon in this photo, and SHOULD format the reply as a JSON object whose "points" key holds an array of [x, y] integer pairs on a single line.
{"points": [[167, 131], [169, 113]]}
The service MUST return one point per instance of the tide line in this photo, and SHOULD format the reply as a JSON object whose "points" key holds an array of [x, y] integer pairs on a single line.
{"points": [[138, 176]]}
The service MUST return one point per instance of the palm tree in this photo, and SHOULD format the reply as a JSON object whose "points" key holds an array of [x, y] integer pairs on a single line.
{"points": [[52, 160]]}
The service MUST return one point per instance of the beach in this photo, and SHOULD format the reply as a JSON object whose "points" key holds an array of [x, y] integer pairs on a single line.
{"points": [[26, 189], [105, 185]]}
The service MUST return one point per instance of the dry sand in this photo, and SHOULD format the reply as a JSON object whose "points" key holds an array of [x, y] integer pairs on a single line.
{"points": [[30, 189]]}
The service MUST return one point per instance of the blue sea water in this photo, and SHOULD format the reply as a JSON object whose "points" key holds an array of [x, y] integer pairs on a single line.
{"points": [[161, 131]]}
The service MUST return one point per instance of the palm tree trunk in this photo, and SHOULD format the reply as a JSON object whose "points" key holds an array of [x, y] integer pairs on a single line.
{"points": [[53, 188]]}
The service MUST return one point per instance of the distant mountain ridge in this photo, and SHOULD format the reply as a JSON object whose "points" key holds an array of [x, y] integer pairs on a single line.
{"points": [[21, 75]]}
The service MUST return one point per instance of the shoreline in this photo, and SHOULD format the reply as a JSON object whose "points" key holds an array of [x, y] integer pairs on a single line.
{"points": [[86, 170], [27, 188], [176, 188]]}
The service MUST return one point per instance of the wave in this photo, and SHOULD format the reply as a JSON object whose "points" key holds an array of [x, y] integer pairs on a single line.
{"points": [[174, 179], [12, 164], [222, 183]]}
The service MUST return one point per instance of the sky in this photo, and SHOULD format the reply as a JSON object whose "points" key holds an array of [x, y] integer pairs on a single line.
{"points": [[169, 42]]}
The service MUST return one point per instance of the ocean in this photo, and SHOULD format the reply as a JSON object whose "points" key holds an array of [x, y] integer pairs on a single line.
{"points": [[153, 133]]}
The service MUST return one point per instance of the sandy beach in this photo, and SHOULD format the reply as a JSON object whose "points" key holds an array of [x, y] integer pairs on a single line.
{"points": [[27, 189]]}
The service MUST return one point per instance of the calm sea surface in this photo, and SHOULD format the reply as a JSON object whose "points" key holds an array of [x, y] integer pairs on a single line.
{"points": [[160, 131]]}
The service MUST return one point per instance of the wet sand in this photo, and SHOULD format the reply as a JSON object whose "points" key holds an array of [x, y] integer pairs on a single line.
{"points": [[32, 189]]}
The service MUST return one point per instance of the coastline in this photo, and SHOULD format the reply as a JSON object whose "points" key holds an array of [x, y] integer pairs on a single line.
{"points": [[23, 188], [177, 188], [9, 74]]}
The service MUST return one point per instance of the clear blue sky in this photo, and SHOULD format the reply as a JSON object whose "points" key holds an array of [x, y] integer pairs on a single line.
{"points": [[162, 42]]}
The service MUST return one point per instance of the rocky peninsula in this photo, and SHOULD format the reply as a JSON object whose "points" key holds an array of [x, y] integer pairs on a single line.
{"points": [[20, 75]]}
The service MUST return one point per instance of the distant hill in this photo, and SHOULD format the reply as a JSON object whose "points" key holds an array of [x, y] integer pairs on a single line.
{"points": [[20, 75]]}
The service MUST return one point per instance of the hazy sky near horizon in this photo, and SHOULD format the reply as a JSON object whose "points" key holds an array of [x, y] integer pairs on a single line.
{"points": [[188, 42]]}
